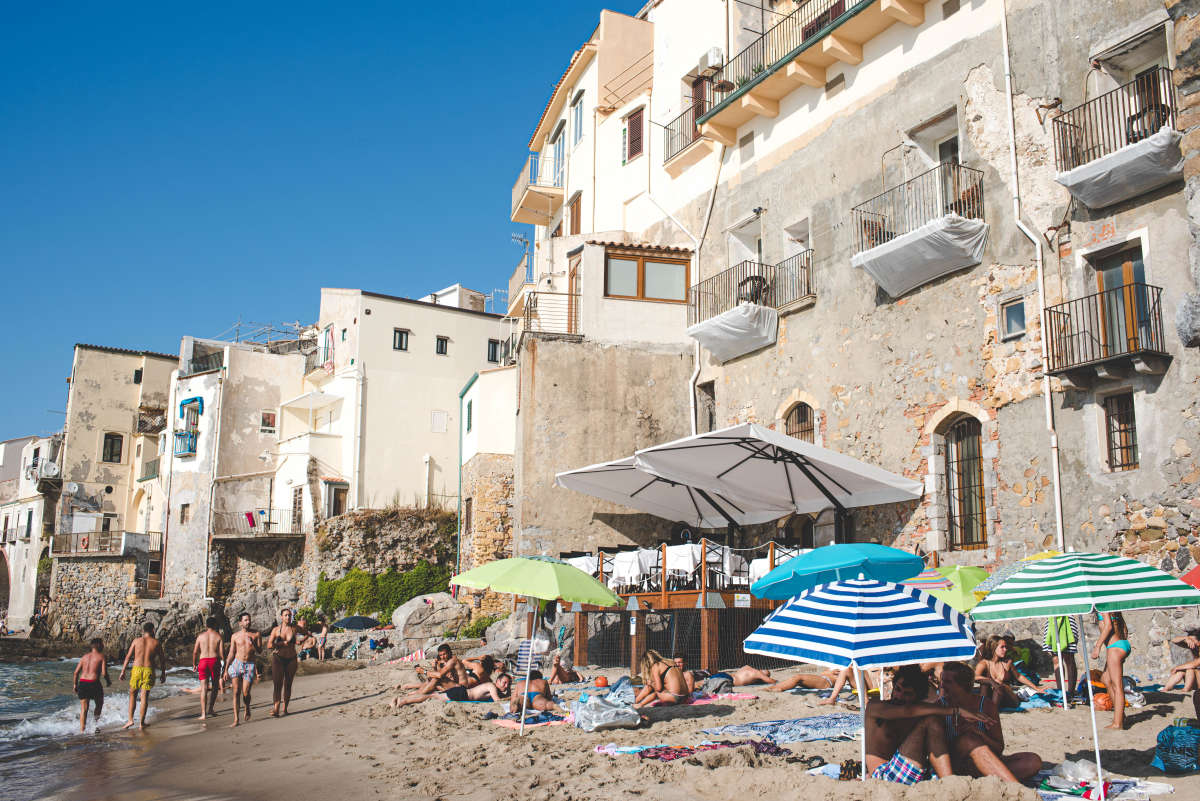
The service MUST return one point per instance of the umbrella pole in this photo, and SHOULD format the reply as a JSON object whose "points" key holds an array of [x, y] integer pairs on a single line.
{"points": [[862, 703], [1087, 672], [529, 671]]}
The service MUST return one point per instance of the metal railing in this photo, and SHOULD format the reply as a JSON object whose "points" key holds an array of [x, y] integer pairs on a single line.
{"points": [[185, 442], [149, 470], [203, 364], [1123, 116], [316, 359], [10, 534], [99, 542], [946, 189], [149, 582], [1122, 321], [151, 422], [523, 274], [804, 26], [258, 523], [551, 313], [539, 170], [684, 130], [774, 285]]}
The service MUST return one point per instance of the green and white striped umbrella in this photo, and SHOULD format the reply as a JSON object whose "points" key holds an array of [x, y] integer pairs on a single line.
{"points": [[1078, 583]]}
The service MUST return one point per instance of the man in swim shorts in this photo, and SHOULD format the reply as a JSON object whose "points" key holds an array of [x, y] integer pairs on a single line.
{"points": [[207, 654], [145, 651], [240, 667], [91, 667]]}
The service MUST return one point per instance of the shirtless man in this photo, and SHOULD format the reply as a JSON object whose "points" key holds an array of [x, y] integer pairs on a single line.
{"points": [[145, 652], [978, 749], [240, 667], [449, 671], [563, 674], [91, 667], [207, 655], [904, 736], [537, 695], [284, 660], [489, 689]]}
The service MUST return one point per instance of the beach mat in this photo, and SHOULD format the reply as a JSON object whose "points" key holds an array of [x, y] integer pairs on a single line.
{"points": [[821, 727]]}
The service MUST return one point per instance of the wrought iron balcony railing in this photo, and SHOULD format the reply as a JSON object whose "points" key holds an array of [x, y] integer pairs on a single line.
{"points": [[258, 523], [774, 285], [1124, 116], [539, 170], [1120, 322], [202, 364], [551, 313], [946, 189], [98, 542], [185, 442], [684, 130]]}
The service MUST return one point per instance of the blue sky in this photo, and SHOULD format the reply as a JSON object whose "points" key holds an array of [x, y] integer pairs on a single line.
{"points": [[168, 170]]}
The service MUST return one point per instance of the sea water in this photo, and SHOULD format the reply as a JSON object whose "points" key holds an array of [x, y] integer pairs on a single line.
{"points": [[39, 724]]}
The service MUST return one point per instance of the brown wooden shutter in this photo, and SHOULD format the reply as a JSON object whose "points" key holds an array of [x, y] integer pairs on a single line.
{"points": [[575, 215], [634, 125]]}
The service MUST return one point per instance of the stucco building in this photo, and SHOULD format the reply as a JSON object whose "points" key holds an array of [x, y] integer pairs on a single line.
{"points": [[22, 525]]}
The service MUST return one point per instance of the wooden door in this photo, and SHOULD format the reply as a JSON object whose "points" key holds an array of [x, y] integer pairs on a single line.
{"points": [[573, 285], [1124, 311]]}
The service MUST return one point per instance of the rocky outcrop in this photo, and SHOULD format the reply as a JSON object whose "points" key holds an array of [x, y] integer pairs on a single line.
{"points": [[427, 617]]}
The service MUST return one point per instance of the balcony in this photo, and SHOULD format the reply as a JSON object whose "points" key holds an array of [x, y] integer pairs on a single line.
{"points": [[520, 280], [1103, 334], [151, 421], [95, 542], [150, 469], [185, 442], [258, 525], [319, 359], [922, 229], [10, 534], [679, 136], [205, 363], [796, 52], [149, 576], [1121, 144], [551, 313], [538, 193]]}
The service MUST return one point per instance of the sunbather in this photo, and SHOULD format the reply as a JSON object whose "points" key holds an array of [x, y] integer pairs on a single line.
{"points": [[537, 693], [479, 671], [661, 681], [563, 674], [479, 692], [995, 672], [1190, 676], [448, 671], [978, 748]]}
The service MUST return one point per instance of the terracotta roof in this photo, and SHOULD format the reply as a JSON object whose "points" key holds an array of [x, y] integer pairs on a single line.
{"points": [[642, 246], [109, 349]]}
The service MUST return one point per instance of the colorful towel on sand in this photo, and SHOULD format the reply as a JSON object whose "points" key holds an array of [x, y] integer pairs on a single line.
{"points": [[513, 720], [669, 753], [798, 730]]}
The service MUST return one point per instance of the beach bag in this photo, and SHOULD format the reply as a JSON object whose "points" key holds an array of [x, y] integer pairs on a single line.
{"points": [[593, 713], [621, 691], [716, 685], [1177, 750]]}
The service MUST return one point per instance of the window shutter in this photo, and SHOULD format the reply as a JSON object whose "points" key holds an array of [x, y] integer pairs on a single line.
{"points": [[634, 124], [575, 215]]}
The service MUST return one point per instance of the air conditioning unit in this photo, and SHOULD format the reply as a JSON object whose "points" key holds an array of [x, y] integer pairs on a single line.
{"points": [[711, 61], [48, 470]]}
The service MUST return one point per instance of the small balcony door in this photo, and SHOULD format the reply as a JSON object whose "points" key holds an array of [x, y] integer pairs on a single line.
{"points": [[573, 285], [1124, 305]]}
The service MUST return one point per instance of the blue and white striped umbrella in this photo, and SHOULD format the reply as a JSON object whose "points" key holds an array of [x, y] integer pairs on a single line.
{"points": [[864, 623]]}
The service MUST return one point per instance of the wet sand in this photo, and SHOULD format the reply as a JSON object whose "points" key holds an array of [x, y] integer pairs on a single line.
{"points": [[340, 741]]}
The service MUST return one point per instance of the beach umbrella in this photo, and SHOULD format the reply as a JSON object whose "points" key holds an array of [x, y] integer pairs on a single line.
{"points": [[764, 467], [1192, 576], [859, 623], [623, 482], [963, 580], [1080, 583], [356, 623], [1002, 573], [836, 562], [540, 577], [929, 579]]}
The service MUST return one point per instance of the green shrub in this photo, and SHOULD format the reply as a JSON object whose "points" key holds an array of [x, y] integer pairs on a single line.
{"points": [[478, 627], [362, 593], [45, 565]]}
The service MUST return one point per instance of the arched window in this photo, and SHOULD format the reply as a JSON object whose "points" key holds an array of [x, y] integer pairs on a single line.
{"points": [[964, 484], [800, 423]]}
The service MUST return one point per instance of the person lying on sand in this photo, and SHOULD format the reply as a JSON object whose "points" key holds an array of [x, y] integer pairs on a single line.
{"points": [[977, 749], [831, 679], [906, 737], [448, 671], [996, 671], [661, 681], [563, 674], [479, 671], [537, 694], [480, 692]]}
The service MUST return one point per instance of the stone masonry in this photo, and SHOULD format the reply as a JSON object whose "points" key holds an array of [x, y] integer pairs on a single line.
{"points": [[487, 481]]}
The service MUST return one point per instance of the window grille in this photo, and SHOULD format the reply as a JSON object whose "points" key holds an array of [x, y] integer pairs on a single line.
{"points": [[801, 423], [1120, 426], [964, 485]]}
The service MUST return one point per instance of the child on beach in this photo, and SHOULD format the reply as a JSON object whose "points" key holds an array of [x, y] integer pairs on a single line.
{"points": [[91, 667]]}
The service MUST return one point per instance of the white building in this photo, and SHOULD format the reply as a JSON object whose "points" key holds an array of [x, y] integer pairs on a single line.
{"points": [[22, 540]]}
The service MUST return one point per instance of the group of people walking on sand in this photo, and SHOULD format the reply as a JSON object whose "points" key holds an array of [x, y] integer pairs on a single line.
{"points": [[218, 664]]}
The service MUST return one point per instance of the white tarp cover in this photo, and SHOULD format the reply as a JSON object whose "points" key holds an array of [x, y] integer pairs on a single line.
{"points": [[744, 328], [772, 469], [622, 482], [938, 247], [1133, 170]]}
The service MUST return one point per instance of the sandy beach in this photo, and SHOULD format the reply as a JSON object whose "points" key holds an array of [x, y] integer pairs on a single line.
{"points": [[341, 741]]}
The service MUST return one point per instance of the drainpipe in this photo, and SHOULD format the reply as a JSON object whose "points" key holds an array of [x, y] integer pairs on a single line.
{"points": [[169, 455], [359, 380], [1037, 243], [428, 460], [712, 199]]}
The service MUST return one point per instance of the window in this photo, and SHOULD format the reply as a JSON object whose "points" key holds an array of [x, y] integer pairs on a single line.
{"points": [[327, 345], [633, 136], [1120, 428], [185, 513], [493, 353], [438, 421], [645, 278], [297, 507], [706, 407], [469, 417], [577, 119], [442, 346], [112, 448], [964, 484], [1012, 319], [137, 376], [574, 215], [947, 150], [467, 515], [399, 339], [29, 524], [343, 334], [337, 500], [266, 422], [800, 423]]}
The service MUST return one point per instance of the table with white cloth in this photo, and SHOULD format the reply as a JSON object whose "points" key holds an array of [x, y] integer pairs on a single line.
{"points": [[684, 560], [762, 565], [631, 567], [588, 563]]}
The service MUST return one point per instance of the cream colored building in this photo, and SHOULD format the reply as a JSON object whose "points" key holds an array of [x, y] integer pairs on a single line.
{"points": [[22, 528]]}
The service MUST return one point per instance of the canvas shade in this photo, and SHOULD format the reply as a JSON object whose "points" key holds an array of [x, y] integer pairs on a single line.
{"points": [[623, 482], [763, 467], [961, 594], [1078, 583], [834, 563], [538, 577], [929, 580], [1002, 573]]}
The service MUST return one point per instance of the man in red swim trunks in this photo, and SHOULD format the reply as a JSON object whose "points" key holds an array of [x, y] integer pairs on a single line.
{"points": [[207, 655]]}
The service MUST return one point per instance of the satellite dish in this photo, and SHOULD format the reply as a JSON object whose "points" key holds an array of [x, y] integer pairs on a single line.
{"points": [[72, 488]]}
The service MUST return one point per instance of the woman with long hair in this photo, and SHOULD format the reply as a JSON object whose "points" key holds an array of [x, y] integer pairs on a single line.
{"points": [[1114, 639], [996, 671], [661, 681], [284, 660]]}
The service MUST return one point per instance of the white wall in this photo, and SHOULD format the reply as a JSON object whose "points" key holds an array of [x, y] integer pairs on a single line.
{"points": [[493, 400]]}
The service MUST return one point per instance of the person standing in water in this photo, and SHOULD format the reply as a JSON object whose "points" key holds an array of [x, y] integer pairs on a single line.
{"points": [[240, 668], [145, 652], [91, 667], [207, 655], [284, 660]]}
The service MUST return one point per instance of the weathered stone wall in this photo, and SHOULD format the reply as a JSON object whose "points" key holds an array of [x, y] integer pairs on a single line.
{"points": [[94, 597], [487, 480]]}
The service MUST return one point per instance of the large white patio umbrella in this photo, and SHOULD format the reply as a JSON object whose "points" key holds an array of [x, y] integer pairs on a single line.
{"points": [[763, 467], [623, 482]]}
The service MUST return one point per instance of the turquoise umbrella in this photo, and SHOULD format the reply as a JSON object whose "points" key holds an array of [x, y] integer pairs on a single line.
{"points": [[835, 563]]}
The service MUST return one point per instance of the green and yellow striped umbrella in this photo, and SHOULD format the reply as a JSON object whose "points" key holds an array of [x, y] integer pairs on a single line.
{"points": [[1078, 583]]}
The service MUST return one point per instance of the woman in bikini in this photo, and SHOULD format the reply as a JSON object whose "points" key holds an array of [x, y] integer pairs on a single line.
{"points": [[995, 672], [1114, 639], [322, 636], [662, 681], [284, 660]]}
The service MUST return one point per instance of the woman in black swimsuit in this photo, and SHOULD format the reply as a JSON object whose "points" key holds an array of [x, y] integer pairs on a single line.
{"points": [[284, 662]]}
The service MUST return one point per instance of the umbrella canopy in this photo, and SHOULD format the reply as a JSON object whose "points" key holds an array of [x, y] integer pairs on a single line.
{"points": [[928, 580], [836, 562], [963, 582], [356, 623], [623, 482], [1192, 576], [1077, 583], [863, 622], [538, 577], [1002, 573], [772, 470]]}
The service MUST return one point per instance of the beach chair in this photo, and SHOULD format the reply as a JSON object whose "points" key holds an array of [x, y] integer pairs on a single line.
{"points": [[527, 659]]}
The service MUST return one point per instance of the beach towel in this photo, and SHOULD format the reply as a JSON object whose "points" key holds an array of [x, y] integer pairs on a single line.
{"points": [[669, 753], [700, 699], [516, 724], [820, 727]]}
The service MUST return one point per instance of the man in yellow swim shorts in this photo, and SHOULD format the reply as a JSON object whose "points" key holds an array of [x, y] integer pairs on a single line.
{"points": [[145, 651]]}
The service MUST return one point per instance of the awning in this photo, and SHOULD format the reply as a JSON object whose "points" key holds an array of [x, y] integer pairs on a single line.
{"points": [[622, 482], [311, 400], [770, 470], [1126, 173]]}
